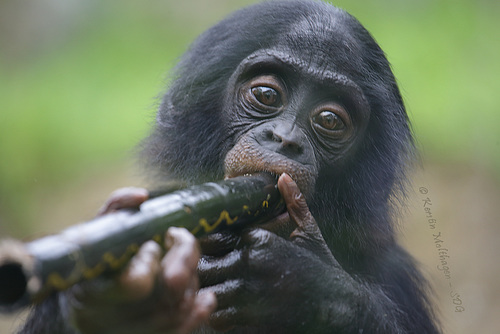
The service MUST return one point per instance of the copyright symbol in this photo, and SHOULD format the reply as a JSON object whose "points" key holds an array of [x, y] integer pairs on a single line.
{"points": [[423, 190]]}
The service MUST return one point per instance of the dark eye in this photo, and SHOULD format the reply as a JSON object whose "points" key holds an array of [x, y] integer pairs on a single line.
{"points": [[267, 96], [328, 120]]}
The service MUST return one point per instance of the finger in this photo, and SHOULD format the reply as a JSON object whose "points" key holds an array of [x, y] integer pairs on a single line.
{"points": [[180, 262], [258, 239], [307, 234], [139, 278], [205, 303], [297, 207], [224, 320], [215, 270], [124, 198], [218, 244], [229, 293]]}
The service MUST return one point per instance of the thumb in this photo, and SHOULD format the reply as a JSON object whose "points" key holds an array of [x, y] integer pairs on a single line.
{"points": [[307, 233], [297, 209]]}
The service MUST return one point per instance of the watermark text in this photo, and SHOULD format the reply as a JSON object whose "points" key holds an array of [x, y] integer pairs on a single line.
{"points": [[442, 250]]}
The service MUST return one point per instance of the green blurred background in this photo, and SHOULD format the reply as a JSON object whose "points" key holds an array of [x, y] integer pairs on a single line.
{"points": [[79, 82]]}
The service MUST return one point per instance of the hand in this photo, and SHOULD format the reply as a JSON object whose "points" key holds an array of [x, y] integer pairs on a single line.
{"points": [[124, 198], [263, 279], [152, 295]]}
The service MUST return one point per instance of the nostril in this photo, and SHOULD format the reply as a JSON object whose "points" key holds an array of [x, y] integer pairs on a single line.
{"points": [[270, 135], [275, 137], [293, 146]]}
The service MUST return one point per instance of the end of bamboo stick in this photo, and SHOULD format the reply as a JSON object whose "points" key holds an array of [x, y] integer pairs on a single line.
{"points": [[17, 281]]}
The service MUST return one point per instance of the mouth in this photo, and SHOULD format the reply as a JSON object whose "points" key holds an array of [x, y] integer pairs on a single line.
{"points": [[236, 173], [244, 158], [304, 181]]}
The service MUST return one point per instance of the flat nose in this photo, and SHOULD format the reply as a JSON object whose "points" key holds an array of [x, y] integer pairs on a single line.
{"points": [[290, 138]]}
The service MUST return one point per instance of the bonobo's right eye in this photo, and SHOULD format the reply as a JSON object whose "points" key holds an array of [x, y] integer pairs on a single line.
{"points": [[264, 94], [267, 96]]}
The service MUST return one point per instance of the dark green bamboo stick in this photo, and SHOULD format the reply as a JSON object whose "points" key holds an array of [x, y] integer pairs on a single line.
{"points": [[29, 272]]}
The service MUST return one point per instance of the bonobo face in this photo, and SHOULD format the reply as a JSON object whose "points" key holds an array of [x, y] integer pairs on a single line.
{"points": [[292, 117]]}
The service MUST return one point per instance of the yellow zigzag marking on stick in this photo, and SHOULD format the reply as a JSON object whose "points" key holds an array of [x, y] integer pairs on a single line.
{"points": [[224, 216], [207, 228], [56, 281]]}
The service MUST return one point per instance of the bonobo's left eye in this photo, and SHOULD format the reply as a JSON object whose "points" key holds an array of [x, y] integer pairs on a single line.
{"points": [[331, 119], [328, 120]]}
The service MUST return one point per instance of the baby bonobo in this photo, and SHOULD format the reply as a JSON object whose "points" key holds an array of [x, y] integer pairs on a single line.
{"points": [[298, 89]]}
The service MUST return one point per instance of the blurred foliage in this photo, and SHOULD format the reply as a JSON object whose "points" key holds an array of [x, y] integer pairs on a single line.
{"points": [[446, 55], [79, 81]]}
